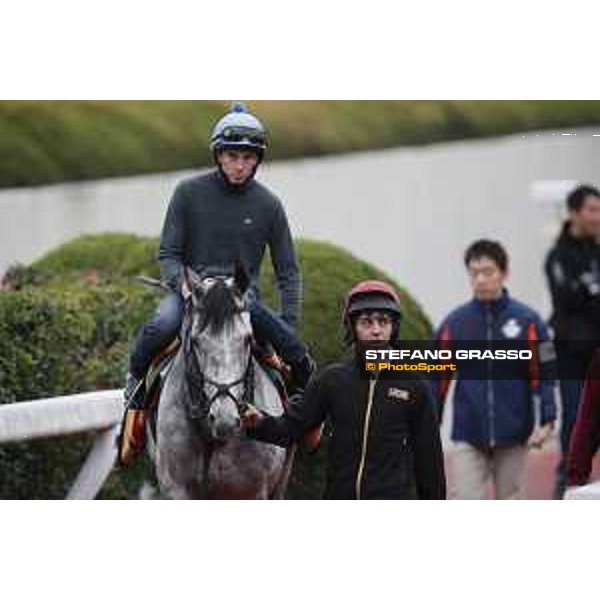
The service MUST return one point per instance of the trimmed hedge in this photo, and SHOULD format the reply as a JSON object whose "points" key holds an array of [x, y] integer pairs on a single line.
{"points": [[58, 340], [328, 272], [52, 141], [68, 327]]}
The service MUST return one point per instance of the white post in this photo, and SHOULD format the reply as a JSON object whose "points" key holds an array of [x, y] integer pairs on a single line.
{"points": [[97, 467]]}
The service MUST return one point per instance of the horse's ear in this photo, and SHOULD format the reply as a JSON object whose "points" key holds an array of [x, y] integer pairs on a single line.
{"points": [[242, 279], [192, 280]]}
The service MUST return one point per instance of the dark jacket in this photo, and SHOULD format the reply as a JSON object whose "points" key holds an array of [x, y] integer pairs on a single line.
{"points": [[385, 440], [573, 272], [211, 224], [495, 409], [585, 439]]}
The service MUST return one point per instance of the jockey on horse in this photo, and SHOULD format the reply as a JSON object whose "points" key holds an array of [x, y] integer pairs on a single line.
{"points": [[214, 221]]}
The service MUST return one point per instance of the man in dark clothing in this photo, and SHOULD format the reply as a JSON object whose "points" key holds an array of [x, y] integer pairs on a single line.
{"points": [[573, 272], [213, 222], [385, 441]]}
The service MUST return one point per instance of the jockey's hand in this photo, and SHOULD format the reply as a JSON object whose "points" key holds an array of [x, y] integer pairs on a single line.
{"points": [[540, 435], [251, 417]]}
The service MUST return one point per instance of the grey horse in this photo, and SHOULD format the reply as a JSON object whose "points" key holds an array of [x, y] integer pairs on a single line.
{"points": [[201, 448]]}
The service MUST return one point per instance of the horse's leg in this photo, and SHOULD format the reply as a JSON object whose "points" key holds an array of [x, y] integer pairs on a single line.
{"points": [[179, 461], [179, 450], [177, 473]]}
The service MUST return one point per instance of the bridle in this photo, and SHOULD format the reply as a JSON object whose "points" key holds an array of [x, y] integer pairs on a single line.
{"points": [[199, 402], [197, 381]]}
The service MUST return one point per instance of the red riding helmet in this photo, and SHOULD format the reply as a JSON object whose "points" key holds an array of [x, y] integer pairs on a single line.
{"points": [[371, 295]]}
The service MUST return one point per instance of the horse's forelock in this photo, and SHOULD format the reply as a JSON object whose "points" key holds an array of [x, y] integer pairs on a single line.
{"points": [[218, 306]]}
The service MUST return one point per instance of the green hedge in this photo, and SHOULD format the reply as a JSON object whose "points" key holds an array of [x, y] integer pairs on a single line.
{"points": [[58, 340], [52, 141], [328, 271], [68, 328]]}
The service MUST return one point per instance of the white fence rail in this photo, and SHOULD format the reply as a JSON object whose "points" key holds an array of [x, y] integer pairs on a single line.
{"points": [[65, 415], [102, 412]]}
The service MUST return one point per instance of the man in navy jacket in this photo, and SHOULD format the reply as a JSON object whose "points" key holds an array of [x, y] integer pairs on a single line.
{"points": [[494, 406]]}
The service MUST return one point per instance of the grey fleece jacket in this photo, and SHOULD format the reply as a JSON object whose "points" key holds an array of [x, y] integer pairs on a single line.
{"points": [[211, 224]]}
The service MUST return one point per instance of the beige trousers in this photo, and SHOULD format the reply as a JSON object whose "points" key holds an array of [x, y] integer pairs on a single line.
{"points": [[474, 468]]}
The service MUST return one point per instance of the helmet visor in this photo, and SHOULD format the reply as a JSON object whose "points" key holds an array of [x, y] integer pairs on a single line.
{"points": [[373, 303], [243, 136]]}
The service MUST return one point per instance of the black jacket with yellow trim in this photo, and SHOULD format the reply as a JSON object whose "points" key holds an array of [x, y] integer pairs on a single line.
{"points": [[385, 441]]}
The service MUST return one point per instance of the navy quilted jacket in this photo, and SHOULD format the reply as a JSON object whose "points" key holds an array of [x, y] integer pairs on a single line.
{"points": [[491, 411]]}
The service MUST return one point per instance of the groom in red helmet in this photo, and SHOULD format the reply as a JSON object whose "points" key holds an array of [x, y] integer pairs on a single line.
{"points": [[385, 440]]}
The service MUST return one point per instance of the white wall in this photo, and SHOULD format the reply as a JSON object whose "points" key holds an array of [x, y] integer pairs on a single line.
{"points": [[411, 211]]}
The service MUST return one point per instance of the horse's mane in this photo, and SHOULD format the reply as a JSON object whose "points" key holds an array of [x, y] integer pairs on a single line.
{"points": [[218, 306]]}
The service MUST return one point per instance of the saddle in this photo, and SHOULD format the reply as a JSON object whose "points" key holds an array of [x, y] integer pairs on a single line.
{"points": [[141, 422]]}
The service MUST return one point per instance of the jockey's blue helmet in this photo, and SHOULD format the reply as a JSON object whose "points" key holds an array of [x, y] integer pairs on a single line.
{"points": [[239, 130]]}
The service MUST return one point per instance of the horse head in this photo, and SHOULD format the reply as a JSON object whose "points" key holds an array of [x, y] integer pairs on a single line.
{"points": [[218, 351]]}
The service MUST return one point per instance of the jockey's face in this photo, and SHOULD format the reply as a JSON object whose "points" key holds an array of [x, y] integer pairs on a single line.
{"points": [[238, 165]]}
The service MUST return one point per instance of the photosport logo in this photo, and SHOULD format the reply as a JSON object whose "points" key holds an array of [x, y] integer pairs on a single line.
{"points": [[389, 361], [435, 360], [508, 359]]}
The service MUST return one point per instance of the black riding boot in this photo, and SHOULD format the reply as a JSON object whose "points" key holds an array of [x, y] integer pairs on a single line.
{"points": [[135, 392], [132, 437]]}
